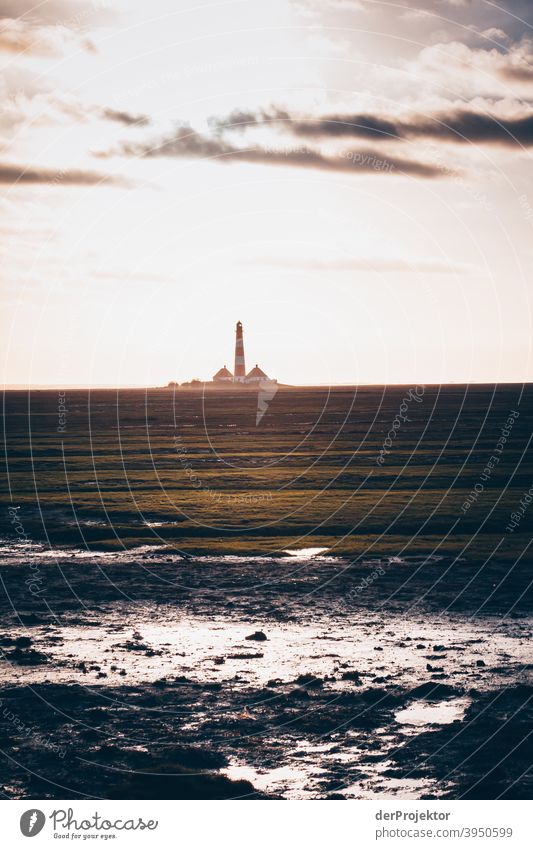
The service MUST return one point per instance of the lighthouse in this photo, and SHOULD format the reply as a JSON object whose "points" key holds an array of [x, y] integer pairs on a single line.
{"points": [[239, 375], [255, 378]]}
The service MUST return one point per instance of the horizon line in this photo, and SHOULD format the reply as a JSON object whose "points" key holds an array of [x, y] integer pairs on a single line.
{"points": [[14, 387]]}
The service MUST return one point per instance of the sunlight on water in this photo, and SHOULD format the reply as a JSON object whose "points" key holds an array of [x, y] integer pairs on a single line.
{"points": [[420, 713], [303, 553], [148, 647], [288, 780]]}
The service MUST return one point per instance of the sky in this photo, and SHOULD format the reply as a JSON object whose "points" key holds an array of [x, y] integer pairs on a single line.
{"points": [[351, 179]]}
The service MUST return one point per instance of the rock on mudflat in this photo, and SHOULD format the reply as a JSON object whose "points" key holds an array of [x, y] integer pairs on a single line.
{"points": [[259, 636], [27, 657]]}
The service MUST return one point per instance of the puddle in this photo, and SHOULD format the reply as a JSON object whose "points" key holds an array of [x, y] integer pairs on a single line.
{"points": [[420, 713], [304, 553], [151, 645], [287, 780]]}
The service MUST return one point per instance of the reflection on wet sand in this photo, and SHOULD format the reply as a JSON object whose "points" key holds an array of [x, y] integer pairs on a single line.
{"points": [[317, 707]]}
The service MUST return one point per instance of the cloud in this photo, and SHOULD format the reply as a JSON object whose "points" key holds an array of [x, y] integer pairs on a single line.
{"points": [[123, 117], [468, 20], [80, 111], [332, 126], [11, 174], [30, 100], [465, 12], [458, 125], [73, 14], [461, 126], [495, 34], [520, 69], [477, 70], [187, 143], [18, 37]]}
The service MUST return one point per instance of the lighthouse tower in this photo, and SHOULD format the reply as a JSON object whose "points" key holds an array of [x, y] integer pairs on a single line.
{"points": [[239, 373]]}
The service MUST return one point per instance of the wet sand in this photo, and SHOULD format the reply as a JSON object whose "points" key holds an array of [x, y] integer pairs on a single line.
{"points": [[267, 671]]}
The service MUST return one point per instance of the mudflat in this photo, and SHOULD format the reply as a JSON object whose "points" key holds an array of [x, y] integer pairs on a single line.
{"points": [[331, 602]]}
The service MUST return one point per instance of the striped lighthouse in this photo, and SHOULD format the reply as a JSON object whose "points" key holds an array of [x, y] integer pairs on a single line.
{"points": [[239, 373]]}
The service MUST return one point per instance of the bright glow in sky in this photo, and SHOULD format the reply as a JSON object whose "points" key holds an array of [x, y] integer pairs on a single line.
{"points": [[351, 179]]}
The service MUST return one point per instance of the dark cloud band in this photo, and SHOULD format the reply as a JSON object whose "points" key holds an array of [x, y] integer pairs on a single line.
{"points": [[187, 143], [15, 174], [460, 126]]}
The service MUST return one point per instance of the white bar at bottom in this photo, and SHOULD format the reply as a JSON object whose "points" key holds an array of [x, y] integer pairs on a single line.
{"points": [[269, 824]]}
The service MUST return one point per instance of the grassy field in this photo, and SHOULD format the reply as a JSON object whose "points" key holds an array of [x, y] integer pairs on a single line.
{"points": [[195, 471]]}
